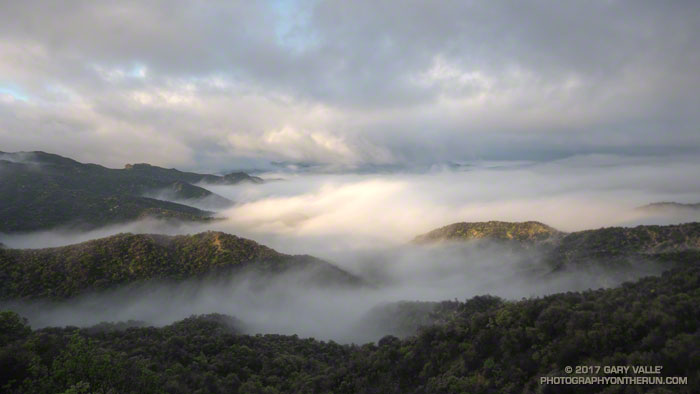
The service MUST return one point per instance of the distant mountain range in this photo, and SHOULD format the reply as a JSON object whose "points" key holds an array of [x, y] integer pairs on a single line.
{"points": [[128, 258], [607, 245], [173, 175], [669, 206], [41, 191]]}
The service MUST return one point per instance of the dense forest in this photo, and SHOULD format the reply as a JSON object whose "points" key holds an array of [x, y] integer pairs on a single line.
{"points": [[129, 258], [482, 345], [42, 190], [619, 244]]}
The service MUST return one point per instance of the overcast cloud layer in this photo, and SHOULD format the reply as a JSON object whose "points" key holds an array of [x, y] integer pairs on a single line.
{"points": [[218, 85]]}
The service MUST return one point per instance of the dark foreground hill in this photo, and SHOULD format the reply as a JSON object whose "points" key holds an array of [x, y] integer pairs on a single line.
{"points": [[483, 345], [131, 258], [41, 190], [608, 246]]}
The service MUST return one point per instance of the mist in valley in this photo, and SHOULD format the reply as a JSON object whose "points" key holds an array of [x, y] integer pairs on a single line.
{"points": [[289, 304], [328, 214], [363, 223]]}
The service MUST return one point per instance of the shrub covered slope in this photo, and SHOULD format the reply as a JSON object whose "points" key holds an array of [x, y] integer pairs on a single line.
{"points": [[483, 345]]}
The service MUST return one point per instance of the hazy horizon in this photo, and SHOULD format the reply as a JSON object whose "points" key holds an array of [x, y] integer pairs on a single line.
{"points": [[348, 85]]}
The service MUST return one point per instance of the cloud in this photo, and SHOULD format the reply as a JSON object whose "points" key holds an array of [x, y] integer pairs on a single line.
{"points": [[348, 83], [289, 143]]}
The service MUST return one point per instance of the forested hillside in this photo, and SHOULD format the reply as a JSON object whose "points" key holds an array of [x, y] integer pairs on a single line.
{"points": [[41, 191], [606, 246], [128, 258], [521, 232], [483, 345], [619, 244]]}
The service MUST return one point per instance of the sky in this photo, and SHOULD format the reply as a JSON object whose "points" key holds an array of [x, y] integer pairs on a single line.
{"points": [[239, 84]]}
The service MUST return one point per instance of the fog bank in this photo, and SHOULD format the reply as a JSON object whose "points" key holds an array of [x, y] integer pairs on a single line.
{"points": [[287, 304], [327, 215], [364, 222]]}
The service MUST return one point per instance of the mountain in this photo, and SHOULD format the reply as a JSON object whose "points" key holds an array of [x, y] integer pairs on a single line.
{"points": [[669, 207], [521, 232], [41, 190], [173, 175], [482, 345], [127, 258], [605, 245]]}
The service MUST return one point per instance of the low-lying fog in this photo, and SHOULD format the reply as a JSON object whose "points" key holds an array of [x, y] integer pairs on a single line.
{"points": [[363, 223], [287, 304]]}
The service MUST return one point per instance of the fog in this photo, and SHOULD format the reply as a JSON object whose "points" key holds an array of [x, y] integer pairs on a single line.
{"points": [[211, 203], [327, 215], [287, 304], [364, 223]]}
